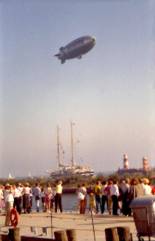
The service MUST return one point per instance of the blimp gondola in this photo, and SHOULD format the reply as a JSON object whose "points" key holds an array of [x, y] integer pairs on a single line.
{"points": [[76, 48]]}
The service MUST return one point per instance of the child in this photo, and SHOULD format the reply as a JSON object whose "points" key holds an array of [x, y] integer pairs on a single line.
{"points": [[92, 203]]}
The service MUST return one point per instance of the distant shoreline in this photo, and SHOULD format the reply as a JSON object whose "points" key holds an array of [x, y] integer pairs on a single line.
{"points": [[69, 190]]}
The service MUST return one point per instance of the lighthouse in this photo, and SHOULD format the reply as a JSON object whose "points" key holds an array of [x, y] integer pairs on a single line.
{"points": [[125, 162], [145, 163]]}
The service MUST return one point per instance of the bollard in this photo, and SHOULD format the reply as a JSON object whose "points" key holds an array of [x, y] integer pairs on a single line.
{"points": [[33, 230], [71, 234], [60, 236], [14, 234], [111, 234], [4, 237], [124, 234], [30, 238], [44, 230]]}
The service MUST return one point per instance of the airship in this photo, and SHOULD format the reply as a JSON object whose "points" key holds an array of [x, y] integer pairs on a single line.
{"points": [[76, 48]]}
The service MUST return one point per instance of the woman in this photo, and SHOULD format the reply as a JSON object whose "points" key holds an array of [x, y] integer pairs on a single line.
{"points": [[81, 200], [49, 196], [9, 200], [1, 198], [27, 197]]}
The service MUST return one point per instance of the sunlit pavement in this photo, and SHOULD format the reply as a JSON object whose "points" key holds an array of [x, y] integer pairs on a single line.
{"points": [[33, 224]]}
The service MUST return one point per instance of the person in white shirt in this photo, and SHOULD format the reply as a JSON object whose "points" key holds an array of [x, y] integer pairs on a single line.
{"points": [[27, 193], [82, 198], [1, 198], [147, 187], [84, 191], [17, 198], [9, 200], [114, 192], [58, 196]]}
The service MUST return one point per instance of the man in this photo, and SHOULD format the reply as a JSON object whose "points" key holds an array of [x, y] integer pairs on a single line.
{"points": [[114, 192], [37, 195], [17, 198], [58, 196], [97, 191]]}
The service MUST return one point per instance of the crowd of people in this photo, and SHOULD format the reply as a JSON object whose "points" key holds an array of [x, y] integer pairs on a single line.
{"points": [[113, 196], [23, 197]]}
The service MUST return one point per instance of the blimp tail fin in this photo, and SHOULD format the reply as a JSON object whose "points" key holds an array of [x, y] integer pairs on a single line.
{"points": [[60, 57], [57, 55]]}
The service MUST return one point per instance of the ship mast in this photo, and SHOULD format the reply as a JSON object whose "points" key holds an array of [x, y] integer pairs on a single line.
{"points": [[72, 144], [58, 147]]}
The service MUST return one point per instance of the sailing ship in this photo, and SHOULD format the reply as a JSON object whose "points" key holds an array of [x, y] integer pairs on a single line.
{"points": [[10, 176], [72, 169]]}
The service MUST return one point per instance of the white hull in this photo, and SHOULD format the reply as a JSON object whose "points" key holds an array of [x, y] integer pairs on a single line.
{"points": [[76, 170]]}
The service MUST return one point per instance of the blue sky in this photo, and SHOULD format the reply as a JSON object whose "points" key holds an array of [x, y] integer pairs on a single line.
{"points": [[109, 93]]}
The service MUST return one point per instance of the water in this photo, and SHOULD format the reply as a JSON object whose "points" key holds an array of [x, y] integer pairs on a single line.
{"points": [[69, 202]]}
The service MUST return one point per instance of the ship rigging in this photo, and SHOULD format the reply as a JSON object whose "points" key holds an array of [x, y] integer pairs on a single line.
{"points": [[72, 169]]}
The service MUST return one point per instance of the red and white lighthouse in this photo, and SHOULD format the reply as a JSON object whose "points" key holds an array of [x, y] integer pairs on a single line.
{"points": [[125, 162], [145, 163]]}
